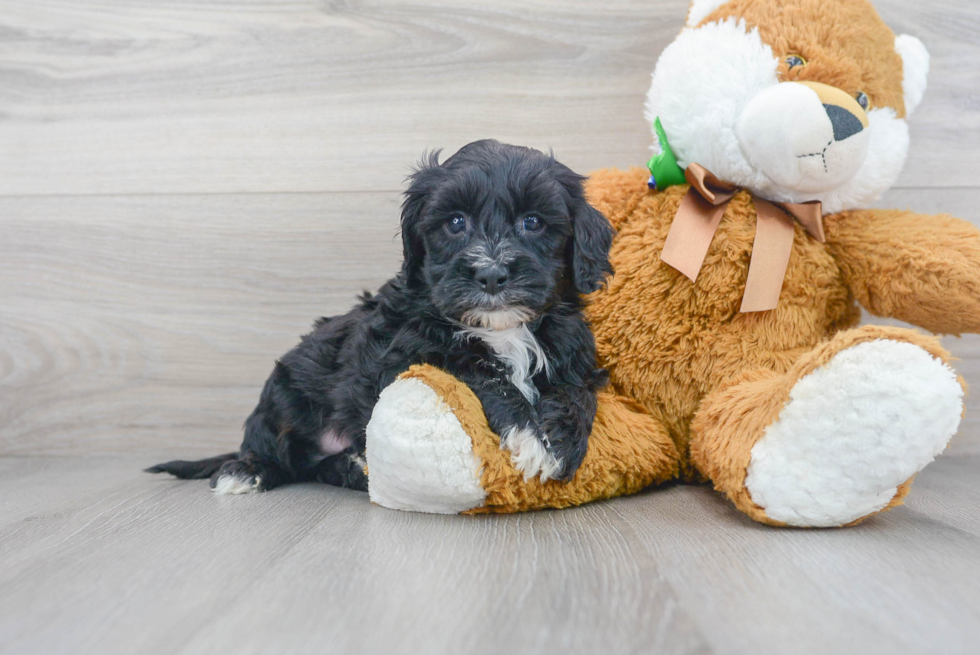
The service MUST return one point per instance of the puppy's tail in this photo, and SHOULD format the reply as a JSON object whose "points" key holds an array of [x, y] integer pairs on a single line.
{"points": [[185, 470]]}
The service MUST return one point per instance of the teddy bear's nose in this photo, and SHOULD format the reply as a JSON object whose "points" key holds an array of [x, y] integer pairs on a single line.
{"points": [[846, 116], [845, 123]]}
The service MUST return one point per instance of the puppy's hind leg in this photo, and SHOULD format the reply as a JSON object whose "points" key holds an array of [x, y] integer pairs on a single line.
{"points": [[247, 474]]}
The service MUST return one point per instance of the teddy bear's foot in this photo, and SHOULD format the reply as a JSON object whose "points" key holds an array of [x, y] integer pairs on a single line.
{"points": [[852, 432], [836, 439], [418, 455], [429, 449]]}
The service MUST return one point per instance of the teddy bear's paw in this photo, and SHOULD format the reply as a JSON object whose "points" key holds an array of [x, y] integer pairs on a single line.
{"points": [[852, 432], [529, 453], [419, 458]]}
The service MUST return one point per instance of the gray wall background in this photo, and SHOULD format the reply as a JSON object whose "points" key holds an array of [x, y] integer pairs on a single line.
{"points": [[186, 185]]}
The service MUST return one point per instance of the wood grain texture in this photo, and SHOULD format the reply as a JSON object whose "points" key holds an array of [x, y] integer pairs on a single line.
{"points": [[104, 559], [213, 96], [147, 322]]}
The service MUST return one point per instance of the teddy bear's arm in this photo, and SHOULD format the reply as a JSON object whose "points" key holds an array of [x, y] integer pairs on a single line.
{"points": [[430, 449], [921, 269]]}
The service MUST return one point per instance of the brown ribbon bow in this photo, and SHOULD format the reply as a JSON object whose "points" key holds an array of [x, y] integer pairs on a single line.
{"points": [[699, 215]]}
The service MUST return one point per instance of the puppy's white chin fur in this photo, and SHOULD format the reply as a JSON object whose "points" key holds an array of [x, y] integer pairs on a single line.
{"points": [[497, 319], [515, 345]]}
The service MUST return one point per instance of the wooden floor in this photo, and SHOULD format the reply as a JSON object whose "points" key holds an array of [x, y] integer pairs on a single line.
{"points": [[186, 184], [98, 557]]}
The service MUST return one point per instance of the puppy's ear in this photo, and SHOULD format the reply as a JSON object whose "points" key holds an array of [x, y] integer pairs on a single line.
{"points": [[591, 239], [422, 181]]}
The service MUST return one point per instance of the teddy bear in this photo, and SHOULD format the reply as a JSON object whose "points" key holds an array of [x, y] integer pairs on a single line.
{"points": [[742, 257]]}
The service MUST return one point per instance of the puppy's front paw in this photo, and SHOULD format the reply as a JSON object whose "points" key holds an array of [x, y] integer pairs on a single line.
{"points": [[567, 442], [530, 454]]}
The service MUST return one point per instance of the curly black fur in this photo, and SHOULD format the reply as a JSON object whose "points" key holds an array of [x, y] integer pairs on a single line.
{"points": [[496, 234]]}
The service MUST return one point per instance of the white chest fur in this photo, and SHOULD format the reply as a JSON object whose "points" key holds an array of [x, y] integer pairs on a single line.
{"points": [[519, 350]]}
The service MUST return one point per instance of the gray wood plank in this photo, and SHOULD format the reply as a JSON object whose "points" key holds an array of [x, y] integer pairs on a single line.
{"points": [[214, 96], [950, 494], [162, 563], [150, 321], [38, 487], [161, 566], [900, 583]]}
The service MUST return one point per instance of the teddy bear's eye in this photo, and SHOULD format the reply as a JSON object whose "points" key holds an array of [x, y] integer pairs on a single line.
{"points": [[795, 60], [862, 99]]}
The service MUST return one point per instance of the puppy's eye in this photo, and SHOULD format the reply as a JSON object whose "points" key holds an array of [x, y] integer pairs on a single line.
{"points": [[795, 60], [863, 100], [533, 223], [456, 224]]}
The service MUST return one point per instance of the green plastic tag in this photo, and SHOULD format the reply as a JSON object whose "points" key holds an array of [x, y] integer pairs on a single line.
{"points": [[664, 170]]}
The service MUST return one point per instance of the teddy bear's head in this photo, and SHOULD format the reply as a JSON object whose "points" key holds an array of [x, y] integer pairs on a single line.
{"points": [[795, 100]]}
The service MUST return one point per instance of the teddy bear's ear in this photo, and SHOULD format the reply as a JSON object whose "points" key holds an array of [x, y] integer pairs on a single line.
{"points": [[700, 9], [915, 70]]}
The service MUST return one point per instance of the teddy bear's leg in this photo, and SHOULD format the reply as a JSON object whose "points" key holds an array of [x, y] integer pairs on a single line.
{"points": [[429, 449], [837, 438]]}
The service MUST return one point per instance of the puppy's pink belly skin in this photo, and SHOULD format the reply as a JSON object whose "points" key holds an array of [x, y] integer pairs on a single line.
{"points": [[332, 443]]}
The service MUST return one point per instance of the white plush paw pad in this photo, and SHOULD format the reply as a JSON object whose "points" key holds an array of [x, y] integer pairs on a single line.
{"points": [[852, 432], [529, 455], [419, 458], [236, 484]]}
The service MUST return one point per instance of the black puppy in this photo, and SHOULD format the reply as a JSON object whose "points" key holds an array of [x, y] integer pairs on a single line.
{"points": [[499, 243]]}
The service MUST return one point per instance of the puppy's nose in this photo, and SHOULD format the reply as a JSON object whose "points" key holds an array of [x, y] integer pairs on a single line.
{"points": [[492, 278]]}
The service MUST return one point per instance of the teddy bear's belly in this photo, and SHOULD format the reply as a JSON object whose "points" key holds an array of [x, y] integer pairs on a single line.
{"points": [[668, 341]]}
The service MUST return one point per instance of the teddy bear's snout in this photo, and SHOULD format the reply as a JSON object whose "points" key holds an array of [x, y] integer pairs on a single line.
{"points": [[806, 137], [847, 116]]}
